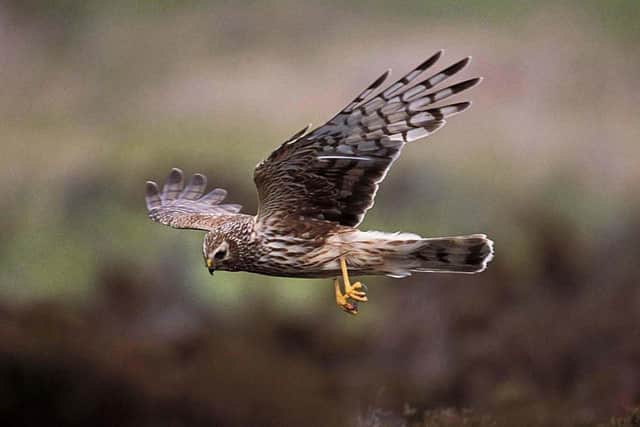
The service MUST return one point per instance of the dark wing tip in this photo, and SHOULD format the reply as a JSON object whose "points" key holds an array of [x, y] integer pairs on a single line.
{"points": [[467, 84], [461, 106], [152, 195], [198, 179], [175, 176], [453, 69], [430, 61], [380, 79], [151, 188], [441, 113]]}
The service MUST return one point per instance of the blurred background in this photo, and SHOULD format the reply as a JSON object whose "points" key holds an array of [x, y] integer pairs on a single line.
{"points": [[109, 319]]}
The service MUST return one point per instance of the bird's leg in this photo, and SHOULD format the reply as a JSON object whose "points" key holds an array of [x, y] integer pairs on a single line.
{"points": [[353, 293]]}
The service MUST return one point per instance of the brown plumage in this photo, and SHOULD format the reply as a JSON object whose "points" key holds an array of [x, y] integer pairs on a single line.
{"points": [[315, 189]]}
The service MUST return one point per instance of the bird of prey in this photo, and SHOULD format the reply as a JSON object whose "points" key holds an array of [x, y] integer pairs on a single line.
{"points": [[315, 189]]}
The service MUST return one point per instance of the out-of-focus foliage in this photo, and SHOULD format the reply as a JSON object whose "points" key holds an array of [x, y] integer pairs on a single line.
{"points": [[100, 306]]}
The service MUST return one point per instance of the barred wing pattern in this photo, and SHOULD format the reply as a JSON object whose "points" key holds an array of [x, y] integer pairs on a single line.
{"points": [[181, 206], [333, 172]]}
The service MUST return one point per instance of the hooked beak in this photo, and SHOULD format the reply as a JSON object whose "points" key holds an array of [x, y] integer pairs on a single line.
{"points": [[211, 267]]}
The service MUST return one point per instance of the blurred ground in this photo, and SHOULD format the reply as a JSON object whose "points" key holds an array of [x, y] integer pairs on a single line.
{"points": [[108, 318]]}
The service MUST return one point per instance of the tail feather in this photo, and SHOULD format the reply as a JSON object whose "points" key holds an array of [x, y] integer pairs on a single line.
{"points": [[461, 254], [400, 254]]}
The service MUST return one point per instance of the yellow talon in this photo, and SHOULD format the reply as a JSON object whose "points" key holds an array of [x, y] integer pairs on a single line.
{"points": [[341, 300], [353, 293]]}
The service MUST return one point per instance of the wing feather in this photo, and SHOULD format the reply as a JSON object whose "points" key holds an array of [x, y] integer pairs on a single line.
{"points": [[181, 206], [333, 172]]}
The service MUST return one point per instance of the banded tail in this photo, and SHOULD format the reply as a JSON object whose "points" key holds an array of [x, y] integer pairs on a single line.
{"points": [[459, 254], [400, 254]]}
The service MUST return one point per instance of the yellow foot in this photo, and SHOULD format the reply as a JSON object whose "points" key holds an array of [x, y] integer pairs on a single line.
{"points": [[353, 293]]}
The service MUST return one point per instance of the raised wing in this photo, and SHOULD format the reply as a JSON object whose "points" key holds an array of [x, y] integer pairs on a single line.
{"points": [[187, 207], [333, 172]]}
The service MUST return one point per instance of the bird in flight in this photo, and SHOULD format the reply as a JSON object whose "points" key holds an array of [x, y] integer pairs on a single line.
{"points": [[315, 189]]}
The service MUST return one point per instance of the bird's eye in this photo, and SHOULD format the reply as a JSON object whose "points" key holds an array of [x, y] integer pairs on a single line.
{"points": [[220, 254]]}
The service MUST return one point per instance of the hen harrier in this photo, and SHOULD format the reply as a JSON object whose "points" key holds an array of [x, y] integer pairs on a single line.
{"points": [[315, 189]]}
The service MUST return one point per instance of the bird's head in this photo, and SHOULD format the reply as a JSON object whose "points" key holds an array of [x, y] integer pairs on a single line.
{"points": [[216, 251]]}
